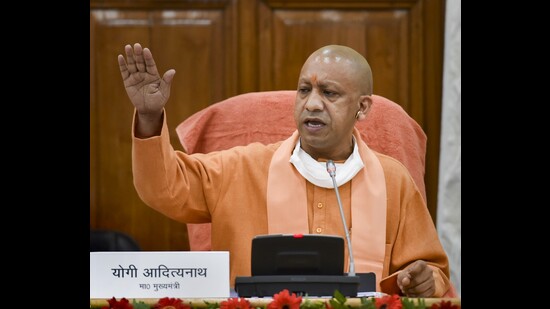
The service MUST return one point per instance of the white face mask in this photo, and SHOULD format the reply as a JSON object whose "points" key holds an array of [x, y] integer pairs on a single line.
{"points": [[316, 172]]}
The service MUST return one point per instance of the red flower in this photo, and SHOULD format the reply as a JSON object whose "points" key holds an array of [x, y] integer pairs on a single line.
{"points": [[235, 303], [444, 305], [123, 303], [389, 302], [170, 303], [283, 300]]}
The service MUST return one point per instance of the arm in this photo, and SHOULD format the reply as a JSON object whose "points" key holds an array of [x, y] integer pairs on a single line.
{"points": [[161, 175], [174, 183], [418, 265], [146, 90]]}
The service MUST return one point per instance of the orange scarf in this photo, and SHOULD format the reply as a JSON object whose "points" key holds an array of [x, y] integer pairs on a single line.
{"points": [[287, 204]]}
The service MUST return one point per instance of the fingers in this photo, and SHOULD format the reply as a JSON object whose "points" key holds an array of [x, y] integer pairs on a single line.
{"points": [[123, 67], [423, 289], [130, 61], [149, 63], [138, 59], [416, 268]]}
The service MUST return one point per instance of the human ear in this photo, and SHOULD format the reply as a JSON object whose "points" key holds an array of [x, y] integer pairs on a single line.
{"points": [[365, 102]]}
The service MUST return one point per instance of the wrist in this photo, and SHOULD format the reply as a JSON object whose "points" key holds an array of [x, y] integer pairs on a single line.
{"points": [[149, 124]]}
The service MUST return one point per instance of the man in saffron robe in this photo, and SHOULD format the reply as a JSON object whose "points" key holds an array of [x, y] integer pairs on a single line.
{"points": [[285, 187]]}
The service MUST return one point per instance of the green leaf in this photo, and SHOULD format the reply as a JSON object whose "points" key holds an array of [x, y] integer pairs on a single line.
{"points": [[340, 297], [367, 303], [411, 304], [215, 305], [308, 304], [140, 305], [407, 303], [338, 301]]}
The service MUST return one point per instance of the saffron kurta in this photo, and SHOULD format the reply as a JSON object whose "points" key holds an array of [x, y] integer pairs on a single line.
{"points": [[228, 188]]}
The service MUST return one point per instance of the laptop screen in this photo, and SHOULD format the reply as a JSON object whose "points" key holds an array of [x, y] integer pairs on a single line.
{"points": [[289, 254]]}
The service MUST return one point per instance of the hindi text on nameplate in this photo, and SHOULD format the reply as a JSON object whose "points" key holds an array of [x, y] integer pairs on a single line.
{"points": [[157, 274]]}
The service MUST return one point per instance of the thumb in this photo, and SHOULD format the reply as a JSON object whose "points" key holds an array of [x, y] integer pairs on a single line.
{"points": [[403, 279], [166, 82], [168, 76], [406, 280]]}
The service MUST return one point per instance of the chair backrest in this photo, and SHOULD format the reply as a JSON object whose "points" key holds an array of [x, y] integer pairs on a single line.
{"points": [[109, 240], [268, 117]]}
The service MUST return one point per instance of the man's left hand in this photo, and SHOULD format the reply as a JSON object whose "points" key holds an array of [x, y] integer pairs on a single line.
{"points": [[417, 280]]}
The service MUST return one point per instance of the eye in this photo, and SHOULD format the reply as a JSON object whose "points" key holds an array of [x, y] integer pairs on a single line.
{"points": [[303, 90], [329, 94]]}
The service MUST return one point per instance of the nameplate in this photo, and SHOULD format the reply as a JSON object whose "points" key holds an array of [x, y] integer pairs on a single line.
{"points": [[158, 274]]}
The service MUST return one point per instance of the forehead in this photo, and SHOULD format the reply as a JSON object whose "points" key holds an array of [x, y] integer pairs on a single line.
{"points": [[327, 69]]}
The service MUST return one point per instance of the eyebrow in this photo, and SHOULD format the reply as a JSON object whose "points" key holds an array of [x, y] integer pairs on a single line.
{"points": [[322, 83], [328, 83]]}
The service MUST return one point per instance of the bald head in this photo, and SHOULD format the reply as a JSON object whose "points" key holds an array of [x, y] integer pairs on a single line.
{"points": [[356, 65]]}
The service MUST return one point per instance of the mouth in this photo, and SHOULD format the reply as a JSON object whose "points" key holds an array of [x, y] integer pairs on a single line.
{"points": [[314, 123]]}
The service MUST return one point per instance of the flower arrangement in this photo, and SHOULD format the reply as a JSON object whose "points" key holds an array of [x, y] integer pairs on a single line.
{"points": [[287, 300]]}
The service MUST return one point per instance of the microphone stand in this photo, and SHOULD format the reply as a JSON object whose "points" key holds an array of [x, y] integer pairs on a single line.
{"points": [[331, 169]]}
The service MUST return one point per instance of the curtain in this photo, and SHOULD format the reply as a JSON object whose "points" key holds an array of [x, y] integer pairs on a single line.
{"points": [[449, 186]]}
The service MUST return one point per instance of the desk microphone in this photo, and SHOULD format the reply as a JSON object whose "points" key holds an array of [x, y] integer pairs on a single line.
{"points": [[331, 169]]}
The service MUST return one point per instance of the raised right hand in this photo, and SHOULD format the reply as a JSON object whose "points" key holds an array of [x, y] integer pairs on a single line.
{"points": [[144, 86]]}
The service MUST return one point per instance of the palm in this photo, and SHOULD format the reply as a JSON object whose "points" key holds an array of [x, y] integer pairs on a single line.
{"points": [[143, 89]]}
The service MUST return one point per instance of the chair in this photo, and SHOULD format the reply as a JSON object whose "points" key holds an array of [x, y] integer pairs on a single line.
{"points": [[109, 240], [268, 117]]}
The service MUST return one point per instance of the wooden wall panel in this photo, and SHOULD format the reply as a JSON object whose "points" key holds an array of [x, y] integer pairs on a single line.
{"points": [[194, 44], [381, 37], [197, 43], [248, 31]]}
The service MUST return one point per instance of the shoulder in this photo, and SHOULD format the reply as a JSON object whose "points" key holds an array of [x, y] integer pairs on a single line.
{"points": [[401, 190], [391, 165], [396, 174]]}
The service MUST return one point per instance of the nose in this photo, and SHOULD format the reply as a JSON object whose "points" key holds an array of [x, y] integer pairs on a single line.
{"points": [[314, 102]]}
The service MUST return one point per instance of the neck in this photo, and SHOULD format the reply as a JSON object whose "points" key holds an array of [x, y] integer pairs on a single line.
{"points": [[334, 154]]}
